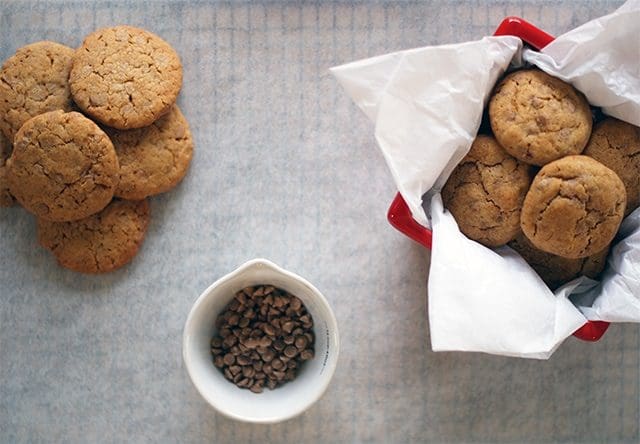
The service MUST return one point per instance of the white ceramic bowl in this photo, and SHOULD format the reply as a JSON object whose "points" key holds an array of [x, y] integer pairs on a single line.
{"points": [[270, 406]]}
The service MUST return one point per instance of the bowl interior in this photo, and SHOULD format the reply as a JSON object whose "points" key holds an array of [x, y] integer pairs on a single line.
{"points": [[271, 405]]}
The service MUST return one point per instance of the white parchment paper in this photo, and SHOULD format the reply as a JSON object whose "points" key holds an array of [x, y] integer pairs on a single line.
{"points": [[427, 105], [601, 59]]}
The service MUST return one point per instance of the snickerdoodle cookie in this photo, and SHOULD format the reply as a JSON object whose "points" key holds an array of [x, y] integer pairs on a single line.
{"points": [[556, 270], [538, 118], [155, 158], [34, 81], [616, 144], [125, 77], [485, 193], [574, 207], [99, 243], [63, 167], [6, 199]]}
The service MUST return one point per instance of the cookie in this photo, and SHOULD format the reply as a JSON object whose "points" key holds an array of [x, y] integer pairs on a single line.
{"points": [[6, 199], [574, 207], [616, 144], [538, 118], [485, 193], [63, 167], [125, 77], [555, 270], [155, 158], [34, 81], [99, 243]]}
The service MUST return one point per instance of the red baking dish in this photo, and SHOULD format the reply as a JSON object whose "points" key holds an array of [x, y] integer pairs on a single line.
{"points": [[399, 215]]}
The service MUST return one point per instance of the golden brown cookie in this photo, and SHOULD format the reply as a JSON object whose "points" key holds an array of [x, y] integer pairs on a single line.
{"points": [[538, 118], [6, 199], [485, 193], [125, 77], [574, 207], [616, 144], [556, 270], [155, 158], [33, 81], [63, 167], [101, 242]]}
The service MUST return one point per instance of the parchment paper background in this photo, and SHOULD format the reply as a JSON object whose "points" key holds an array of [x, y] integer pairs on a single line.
{"points": [[285, 168]]}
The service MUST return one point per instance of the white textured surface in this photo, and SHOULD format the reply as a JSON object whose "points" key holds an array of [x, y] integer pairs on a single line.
{"points": [[285, 168]]}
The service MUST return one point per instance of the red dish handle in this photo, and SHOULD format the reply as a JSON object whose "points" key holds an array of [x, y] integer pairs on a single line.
{"points": [[591, 331], [399, 215], [528, 33]]}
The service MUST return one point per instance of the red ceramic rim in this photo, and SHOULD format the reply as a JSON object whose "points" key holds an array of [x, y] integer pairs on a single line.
{"points": [[399, 214]]}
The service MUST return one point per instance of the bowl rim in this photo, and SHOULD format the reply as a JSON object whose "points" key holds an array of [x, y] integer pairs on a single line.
{"points": [[330, 319]]}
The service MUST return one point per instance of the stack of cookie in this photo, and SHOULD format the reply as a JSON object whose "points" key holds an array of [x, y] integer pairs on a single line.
{"points": [[543, 182], [87, 136]]}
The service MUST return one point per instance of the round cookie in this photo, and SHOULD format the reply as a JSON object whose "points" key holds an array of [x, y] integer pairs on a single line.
{"points": [[574, 207], [33, 81], [99, 243], [6, 199], [616, 144], [485, 193], [538, 118], [63, 167], [125, 77], [155, 158], [555, 270]]}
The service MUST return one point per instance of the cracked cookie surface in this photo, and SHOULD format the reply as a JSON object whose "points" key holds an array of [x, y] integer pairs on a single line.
{"points": [[125, 77], [34, 81], [574, 207], [538, 118], [556, 270], [616, 144], [63, 167], [99, 243], [485, 193], [155, 158], [6, 199]]}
